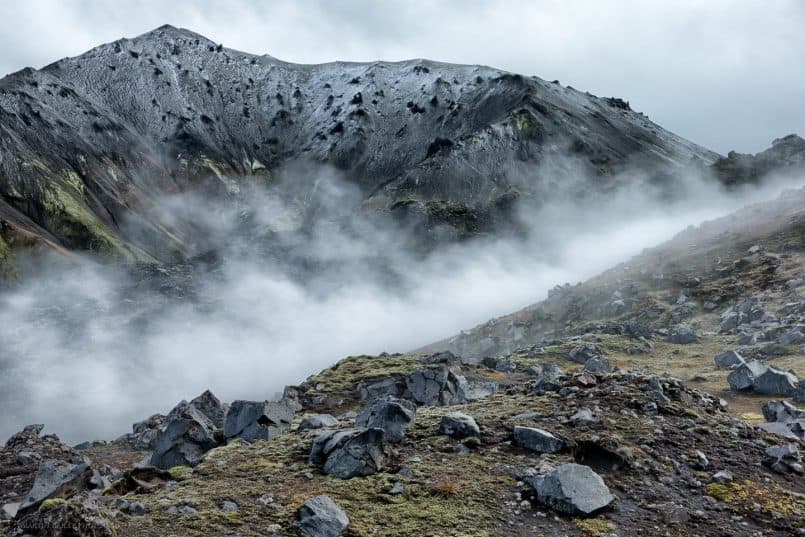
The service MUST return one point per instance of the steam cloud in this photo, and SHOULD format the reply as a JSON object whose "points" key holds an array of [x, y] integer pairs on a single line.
{"points": [[87, 350]]}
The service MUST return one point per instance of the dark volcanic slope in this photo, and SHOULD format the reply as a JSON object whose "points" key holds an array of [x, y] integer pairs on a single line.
{"points": [[90, 145]]}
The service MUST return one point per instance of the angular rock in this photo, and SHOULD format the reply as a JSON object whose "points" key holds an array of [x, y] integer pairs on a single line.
{"points": [[393, 416], [799, 393], [349, 453], [682, 335], [144, 433], [379, 388], [436, 387], [583, 352], [208, 404], [257, 420], [598, 365], [573, 489], [548, 379], [56, 479], [784, 459], [537, 440], [792, 337], [781, 411], [459, 425], [728, 359], [775, 382], [317, 421], [321, 517], [184, 440], [742, 377], [584, 418]]}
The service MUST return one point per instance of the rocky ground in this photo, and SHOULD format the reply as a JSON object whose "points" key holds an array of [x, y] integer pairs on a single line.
{"points": [[658, 398]]}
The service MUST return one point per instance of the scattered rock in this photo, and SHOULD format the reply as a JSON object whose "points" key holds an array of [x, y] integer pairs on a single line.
{"points": [[459, 425], [784, 459], [184, 440], [393, 416], [436, 387], [257, 420], [349, 453], [728, 360], [317, 421], [321, 517], [598, 365], [573, 489], [583, 352], [682, 335], [56, 479], [584, 418], [537, 440]]}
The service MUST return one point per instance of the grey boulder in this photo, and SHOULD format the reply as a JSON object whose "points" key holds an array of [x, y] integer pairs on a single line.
{"points": [[792, 337], [56, 479], [598, 365], [437, 387], [728, 360], [573, 489], [537, 440], [317, 421], [682, 335], [459, 425], [257, 420], [206, 403], [349, 453], [583, 352], [184, 440], [393, 416], [321, 517], [783, 459]]}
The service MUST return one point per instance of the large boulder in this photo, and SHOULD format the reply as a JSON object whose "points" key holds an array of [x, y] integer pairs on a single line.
{"points": [[548, 380], [349, 453], [393, 416], [437, 387], [145, 432], [799, 393], [379, 388], [775, 382], [184, 440], [257, 420], [583, 352], [598, 365], [208, 404], [459, 425], [56, 479], [321, 517], [784, 459], [792, 337], [784, 419], [742, 377], [537, 440], [728, 360], [682, 335], [573, 489], [317, 421]]}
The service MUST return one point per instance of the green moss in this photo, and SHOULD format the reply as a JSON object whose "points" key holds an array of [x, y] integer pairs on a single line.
{"points": [[595, 527], [52, 503], [180, 473]]}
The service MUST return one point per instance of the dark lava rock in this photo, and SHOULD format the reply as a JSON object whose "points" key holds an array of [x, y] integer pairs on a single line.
{"points": [[184, 440], [728, 359], [573, 489], [761, 378], [437, 387], [317, 421], [349, 453], [583, 352], [598, 365], [537, 440], [784, 459], [393, 416], [56, 479], [257, 420], [321, 517], [459, 425], [682, 335]]}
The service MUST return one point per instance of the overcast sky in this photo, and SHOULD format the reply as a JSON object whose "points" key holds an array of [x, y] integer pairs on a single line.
{"points": [[725, 74]]}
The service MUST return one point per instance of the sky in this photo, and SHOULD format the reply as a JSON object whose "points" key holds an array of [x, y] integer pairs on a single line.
{"points": [[726, 74]]}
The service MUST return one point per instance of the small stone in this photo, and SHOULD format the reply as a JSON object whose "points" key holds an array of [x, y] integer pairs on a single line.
{"points": [[320, 516], [537, 440]]}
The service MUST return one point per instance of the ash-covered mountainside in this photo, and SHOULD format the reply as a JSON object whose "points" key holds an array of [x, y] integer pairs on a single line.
{"points": [[92, 146]]}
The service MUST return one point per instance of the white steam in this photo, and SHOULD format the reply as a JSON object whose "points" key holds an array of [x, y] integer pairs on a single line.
{"points": [[255, 325]]}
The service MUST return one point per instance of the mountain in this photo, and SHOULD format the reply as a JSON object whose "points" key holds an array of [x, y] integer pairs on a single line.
{"points": [[91, 147]]}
